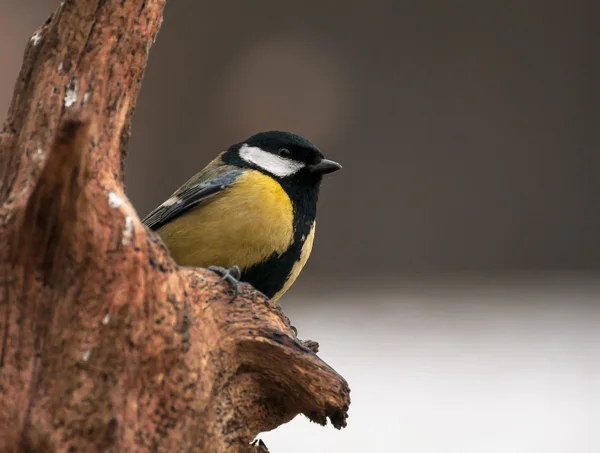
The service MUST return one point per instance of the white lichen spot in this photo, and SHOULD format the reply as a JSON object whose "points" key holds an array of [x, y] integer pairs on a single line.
{"points": [[127, 230], [86, 96], [60, 66], [86, 355], [71, 94], [160, 22], [106, 320], [38, 156], [37, 38], [114, 201]]}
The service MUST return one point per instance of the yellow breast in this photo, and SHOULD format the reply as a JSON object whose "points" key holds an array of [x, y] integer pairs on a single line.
{"points": [[244, 225]]}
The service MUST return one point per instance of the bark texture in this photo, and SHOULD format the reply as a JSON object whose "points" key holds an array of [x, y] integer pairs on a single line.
{"points": [[106, 345]]}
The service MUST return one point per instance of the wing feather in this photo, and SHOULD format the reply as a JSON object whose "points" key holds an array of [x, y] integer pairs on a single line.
{"points": [[191, 195]]}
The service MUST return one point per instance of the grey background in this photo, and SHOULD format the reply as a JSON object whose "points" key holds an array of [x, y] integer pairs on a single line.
{"points": [[454, 280], [467, 130]]}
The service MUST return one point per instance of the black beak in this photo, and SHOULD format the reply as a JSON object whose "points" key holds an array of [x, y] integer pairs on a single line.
{"points": [[324, 167]]}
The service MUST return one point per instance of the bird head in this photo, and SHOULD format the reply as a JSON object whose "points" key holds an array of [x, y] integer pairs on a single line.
{"points": [[283, 156]]}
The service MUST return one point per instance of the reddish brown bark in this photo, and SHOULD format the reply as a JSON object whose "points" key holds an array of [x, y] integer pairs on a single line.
{"points": [[105, 344]]}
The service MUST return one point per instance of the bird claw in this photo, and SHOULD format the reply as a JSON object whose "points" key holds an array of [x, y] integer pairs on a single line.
{"points": [[232, 275]]}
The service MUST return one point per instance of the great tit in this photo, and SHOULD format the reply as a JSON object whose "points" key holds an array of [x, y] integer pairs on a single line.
{"points": [[249, 215]]}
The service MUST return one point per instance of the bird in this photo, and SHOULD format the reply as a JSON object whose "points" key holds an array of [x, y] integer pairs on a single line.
{"points": [[250, 214]]}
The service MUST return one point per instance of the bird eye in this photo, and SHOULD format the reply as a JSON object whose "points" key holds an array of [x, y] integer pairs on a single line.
{"points": [[284, 152]]}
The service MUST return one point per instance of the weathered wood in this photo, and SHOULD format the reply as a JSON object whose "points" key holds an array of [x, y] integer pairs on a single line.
{"points": [[106, 345]]}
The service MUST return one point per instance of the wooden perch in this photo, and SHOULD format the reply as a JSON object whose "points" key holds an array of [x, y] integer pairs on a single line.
{"points": [[106, 345]]}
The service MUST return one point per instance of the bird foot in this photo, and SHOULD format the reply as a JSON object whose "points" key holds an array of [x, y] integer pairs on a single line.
{"points": [[232, 275]]}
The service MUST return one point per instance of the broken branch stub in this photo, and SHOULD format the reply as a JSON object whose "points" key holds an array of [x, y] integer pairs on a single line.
{"points": [[106, 345]]}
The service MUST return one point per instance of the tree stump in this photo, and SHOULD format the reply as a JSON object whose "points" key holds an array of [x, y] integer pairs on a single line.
{"points": [[106, 345]]}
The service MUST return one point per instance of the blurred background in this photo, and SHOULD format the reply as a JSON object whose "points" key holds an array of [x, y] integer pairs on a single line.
{"points": [[454, 280]]}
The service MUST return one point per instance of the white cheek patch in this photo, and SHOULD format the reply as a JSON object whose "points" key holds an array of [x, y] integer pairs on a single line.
{"points": [[276, 165]]}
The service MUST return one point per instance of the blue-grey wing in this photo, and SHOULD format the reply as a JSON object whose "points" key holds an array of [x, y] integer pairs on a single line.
{"points": [[189, 196]]}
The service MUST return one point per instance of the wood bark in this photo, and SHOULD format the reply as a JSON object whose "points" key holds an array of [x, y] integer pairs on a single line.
{"points": [[106, 345]]}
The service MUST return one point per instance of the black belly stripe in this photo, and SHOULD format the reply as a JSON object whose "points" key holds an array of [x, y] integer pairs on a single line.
{"points": [[270, 275]]}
